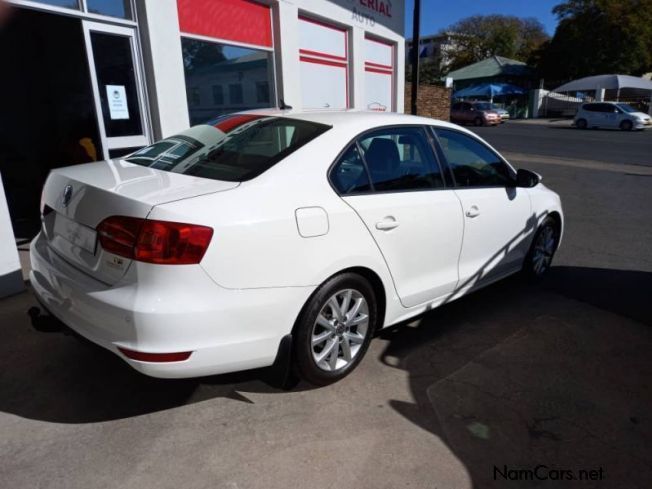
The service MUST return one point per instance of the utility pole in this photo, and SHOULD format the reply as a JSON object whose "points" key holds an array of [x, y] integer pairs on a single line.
{"points": [[416, 20]]}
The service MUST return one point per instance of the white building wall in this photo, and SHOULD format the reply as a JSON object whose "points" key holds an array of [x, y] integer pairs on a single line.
{"points": [[166, 86], [360, 21], [164, 65], [285, 19]]}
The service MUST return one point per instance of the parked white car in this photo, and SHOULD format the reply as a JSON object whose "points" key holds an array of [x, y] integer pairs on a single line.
{"points": [[206, 251], [611, 115]]}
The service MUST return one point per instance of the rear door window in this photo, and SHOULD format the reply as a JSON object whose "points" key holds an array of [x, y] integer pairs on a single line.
{"points": [[400, 158]]}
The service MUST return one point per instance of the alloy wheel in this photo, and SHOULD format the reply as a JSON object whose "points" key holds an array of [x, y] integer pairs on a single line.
{"points": [[544, 249], [340, 330]]}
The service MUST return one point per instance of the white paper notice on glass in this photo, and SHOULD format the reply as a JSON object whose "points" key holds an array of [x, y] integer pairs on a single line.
{"points": [[117, 97]]}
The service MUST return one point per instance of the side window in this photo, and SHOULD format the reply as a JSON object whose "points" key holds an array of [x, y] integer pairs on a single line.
{"points": [[400, 159], [590, 108], [473, 164], [349, 174]]}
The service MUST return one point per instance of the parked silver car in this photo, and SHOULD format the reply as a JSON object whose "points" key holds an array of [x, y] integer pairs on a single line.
{"points": [[611, 115]]}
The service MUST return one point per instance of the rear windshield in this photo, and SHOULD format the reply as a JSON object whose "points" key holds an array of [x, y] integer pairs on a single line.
{"points": [[234, 148]]}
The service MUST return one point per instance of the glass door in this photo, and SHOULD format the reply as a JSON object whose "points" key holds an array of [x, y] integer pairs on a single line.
{"points": [[118, 87]]}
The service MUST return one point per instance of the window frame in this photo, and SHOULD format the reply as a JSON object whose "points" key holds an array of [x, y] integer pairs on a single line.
{"points": [[273, 84], [218, 89], [81, 11], [355, 141], [442, 156]]}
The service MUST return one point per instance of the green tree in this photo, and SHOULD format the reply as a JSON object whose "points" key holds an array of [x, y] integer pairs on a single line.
{"points": [[481, 36], [198, 54], [598, 37], [430, 72]]}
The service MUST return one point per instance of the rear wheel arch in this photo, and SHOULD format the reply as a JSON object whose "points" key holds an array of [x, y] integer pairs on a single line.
{"points": [[327, 343], [370, 276]]}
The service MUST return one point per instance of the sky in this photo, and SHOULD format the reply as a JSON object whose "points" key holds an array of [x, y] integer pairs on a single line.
{"points": [[439, 14]]}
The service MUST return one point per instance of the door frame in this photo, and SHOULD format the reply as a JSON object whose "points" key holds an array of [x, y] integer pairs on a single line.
{"points": [[118, 142]]}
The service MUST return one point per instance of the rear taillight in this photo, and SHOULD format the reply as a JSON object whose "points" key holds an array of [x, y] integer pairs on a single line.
{"points": [[161, 242]]}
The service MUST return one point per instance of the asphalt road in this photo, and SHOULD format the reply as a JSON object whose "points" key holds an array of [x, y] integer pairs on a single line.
{"points": [[559, 139], [512, 377]]}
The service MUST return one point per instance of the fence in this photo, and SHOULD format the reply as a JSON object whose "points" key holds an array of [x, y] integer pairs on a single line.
{"points": [[562, 105]]}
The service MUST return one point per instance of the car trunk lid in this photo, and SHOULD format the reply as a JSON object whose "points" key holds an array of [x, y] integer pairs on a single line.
{"points": [[77, 199]]}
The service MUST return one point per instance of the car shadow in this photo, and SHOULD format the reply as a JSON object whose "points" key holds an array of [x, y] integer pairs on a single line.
{"points": [[624, 292], [57, 376], [523, 373]]}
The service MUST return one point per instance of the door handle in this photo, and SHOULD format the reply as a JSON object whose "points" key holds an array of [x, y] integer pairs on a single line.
{"points": [[473, 211], [387, 224]]}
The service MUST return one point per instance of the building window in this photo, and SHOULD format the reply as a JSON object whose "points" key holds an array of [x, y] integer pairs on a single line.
{"points": [[194, 98], [112, 8], [234, 75], [262, 92], [218, 95], [122, 9], [74, 4], [235, 93]]}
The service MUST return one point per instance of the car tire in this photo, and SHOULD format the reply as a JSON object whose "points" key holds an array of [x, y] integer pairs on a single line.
{"points": [[626, 126], [330, 338], [542, 250], [477, 121], [581, 124]]}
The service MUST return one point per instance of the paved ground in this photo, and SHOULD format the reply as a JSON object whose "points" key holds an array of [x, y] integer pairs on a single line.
{"points": [[559, 139], [511, 377]]}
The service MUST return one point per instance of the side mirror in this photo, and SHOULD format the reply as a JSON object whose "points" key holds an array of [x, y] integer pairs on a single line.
{"points": [[527, 178]]}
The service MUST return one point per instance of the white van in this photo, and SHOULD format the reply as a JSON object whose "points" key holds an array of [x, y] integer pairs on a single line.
{"points": [[611, 115]]}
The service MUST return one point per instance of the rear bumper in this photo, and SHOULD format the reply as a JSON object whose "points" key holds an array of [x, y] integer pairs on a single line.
{"points": [[164, 309]]}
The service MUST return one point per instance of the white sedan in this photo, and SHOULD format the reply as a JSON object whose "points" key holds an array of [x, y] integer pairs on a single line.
{"points": [[234, 242]]}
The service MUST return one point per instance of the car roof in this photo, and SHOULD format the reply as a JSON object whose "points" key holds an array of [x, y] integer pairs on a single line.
{"points": [[352, 118]]}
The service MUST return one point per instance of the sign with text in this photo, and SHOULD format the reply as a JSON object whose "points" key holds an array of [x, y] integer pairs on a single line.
{"points": [[372, 13], [116, 96]]}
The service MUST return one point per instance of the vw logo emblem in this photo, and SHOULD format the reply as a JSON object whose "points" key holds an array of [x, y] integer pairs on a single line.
{"points": [[67, 195]]}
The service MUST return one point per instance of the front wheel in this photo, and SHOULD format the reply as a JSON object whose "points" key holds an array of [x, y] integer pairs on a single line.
{"points": [[626, 125], [543, 249], [581, 124], [335, 329], [478, 121]]}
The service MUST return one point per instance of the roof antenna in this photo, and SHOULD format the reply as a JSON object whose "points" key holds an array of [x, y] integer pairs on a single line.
{"points": [[284, 106]]}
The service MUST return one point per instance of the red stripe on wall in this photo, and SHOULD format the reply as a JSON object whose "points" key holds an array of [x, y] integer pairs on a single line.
{"points": [[321, 62], [376, 65], [321, 55], [378, 41], [323, 24], [242, 21], [374, 70]]}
